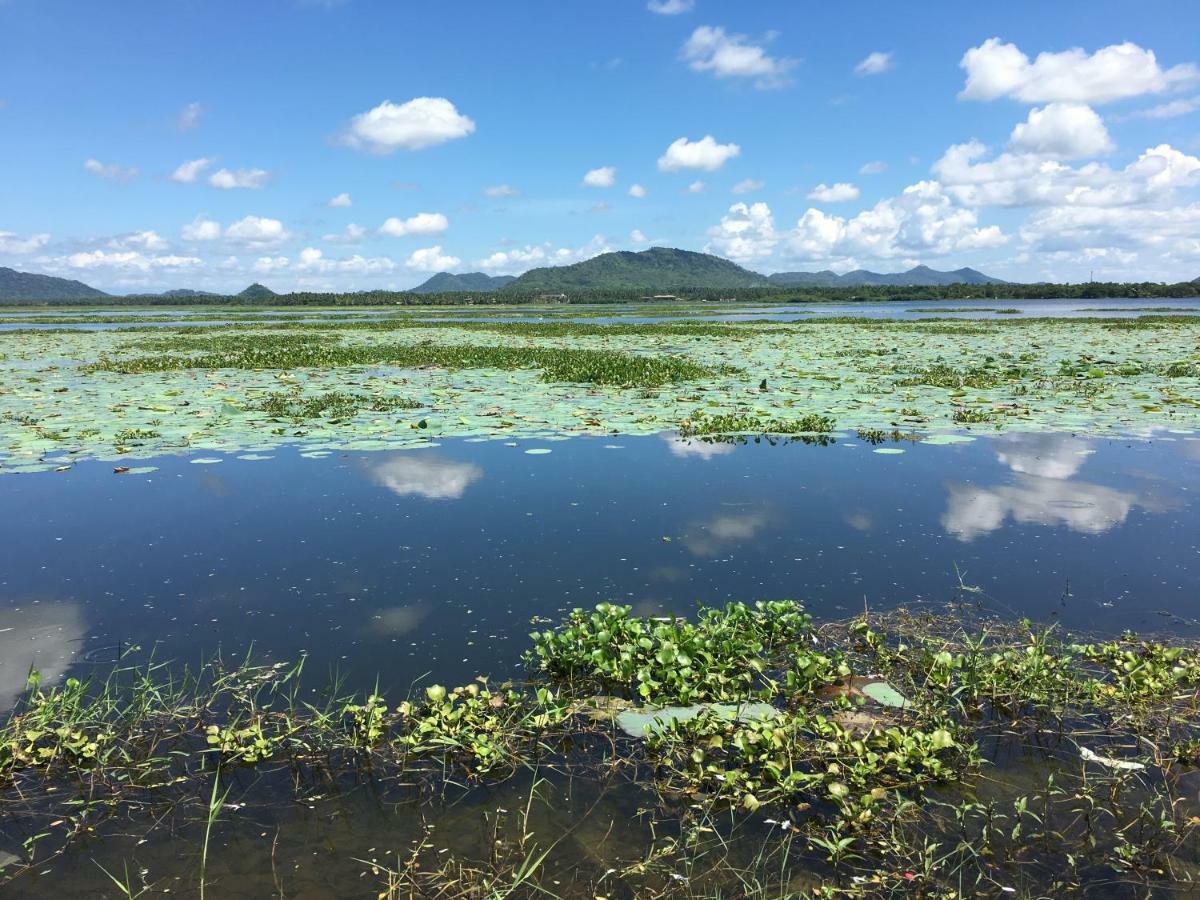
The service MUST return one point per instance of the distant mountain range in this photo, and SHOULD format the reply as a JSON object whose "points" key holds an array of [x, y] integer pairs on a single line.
{"points": [[446, 282], [656, 269], [919, 276], [16, 285]]}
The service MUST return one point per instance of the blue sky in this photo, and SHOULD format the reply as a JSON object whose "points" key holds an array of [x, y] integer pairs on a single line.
{"points": [[150, 145]]}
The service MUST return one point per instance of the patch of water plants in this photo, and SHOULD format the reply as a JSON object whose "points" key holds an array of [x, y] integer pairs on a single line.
{"points": [[916, 753]]}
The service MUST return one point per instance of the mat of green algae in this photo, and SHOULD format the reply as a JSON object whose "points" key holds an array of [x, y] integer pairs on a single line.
{"points": [[1090, 376]]}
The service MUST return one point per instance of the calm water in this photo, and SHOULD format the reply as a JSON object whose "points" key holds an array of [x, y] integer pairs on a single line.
{"points": [[435, 560], [629, 312]]}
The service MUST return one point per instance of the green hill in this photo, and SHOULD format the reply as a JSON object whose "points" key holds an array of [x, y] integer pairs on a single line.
{"points": [[658, 269], [448, 282], [257, 291], [16, 286]]}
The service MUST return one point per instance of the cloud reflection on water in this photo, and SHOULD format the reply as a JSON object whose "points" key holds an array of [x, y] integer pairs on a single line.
{"points": [[424, 476], [45, 636]]}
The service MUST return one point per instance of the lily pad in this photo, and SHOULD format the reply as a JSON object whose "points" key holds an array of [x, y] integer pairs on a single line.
{"points": [[637, 722]]}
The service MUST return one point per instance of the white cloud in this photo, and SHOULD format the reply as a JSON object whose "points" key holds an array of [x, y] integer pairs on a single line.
{"points": [[201, 229], [266, 264], [745, 234], [1030, 179], [875, 63], [637, 191], [110, 170], [432, 259], [352, 234], [685, 448], [519, 259], [129, 259], [419, 123], [1063, 131], [874, 167], [341, 201], [189, 171], [922, 221], [697, 187], [189, 117], [423, 476], [670, 7], [501, 190], [636, 237], [13, 244], [838, 192], [1167, 110], [313, 260], [974, 510], [604, 177], [256, 230], [227, 179], [421, 223], [748, 186], [995, 69], [704, 154], [1095, 233], [710, 49], [143, 240]]}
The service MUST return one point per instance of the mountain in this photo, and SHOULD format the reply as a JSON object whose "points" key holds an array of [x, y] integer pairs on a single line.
{"points": [[16, 285], [920, 276], [656, 269], [184, 293], [445, 282], [257, 291]]}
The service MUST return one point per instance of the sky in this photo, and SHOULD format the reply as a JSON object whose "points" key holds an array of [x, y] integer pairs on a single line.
{"points": [[351, 144]]}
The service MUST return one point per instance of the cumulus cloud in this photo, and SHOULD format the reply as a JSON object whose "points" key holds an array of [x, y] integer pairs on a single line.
{"points": [[748, 186], [201, 229], [921, 221], [687, 448], [128, 259], [110, 170], [874, 167], [975, 510], [351, 234], [230, 179], [313, 260], [670, 7], [745, 234], [1169, 110], [426, 476], [519, 259], [254, 230], [431, 259], [603, 177], [697, 187], [636, 237], [875, 64], [1032, 179], [341, 201], [995, 69], [1063, 131], [711, 49], [12, 243], [838, 192], [419, 123], [267, 264], [637, 191], [704, 154], [500, 190], [142, 240], [189, 117], [187, 172], [421, 223]]}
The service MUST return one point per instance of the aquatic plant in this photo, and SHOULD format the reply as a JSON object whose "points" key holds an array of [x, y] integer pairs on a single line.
{"points": [[702, 422]]}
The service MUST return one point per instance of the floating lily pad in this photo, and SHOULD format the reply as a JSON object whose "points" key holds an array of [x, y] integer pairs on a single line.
{"points": [[637, 722], [538, 451], [888, 451]]}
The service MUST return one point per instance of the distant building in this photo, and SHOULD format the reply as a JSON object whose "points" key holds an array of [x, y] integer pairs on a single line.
{"points": [[559, 297]]}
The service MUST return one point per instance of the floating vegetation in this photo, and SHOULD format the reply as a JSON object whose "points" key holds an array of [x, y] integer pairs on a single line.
{"points": [[328, 405], [701, 423], [196, 387], [976, 757]]}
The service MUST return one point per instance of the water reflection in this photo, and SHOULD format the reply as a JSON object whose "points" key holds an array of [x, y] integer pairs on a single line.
{"points": [[724, 531], [42, 636], [1041, 494], [690, 447], [423, 476]]}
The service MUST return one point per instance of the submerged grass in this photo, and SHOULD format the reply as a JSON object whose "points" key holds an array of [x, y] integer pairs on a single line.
{"points": [[974, 757]]}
